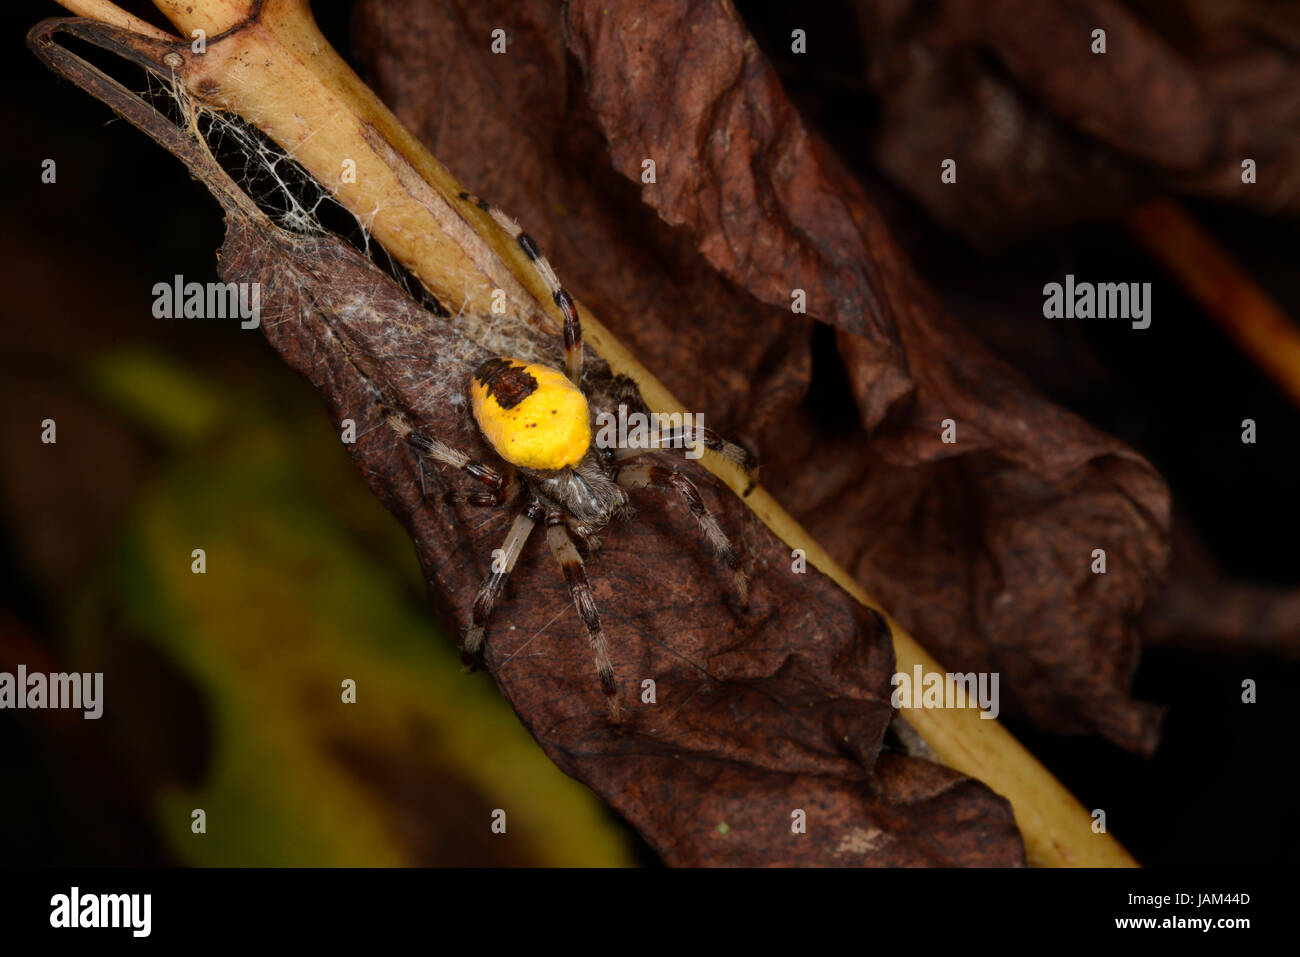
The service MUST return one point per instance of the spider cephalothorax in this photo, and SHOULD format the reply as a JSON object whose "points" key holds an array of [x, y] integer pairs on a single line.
{"points": [[539, 422]]}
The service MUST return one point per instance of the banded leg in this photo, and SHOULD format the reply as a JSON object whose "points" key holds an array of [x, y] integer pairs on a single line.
{"points": [[586, 536], [501, 488], [494, 497], [572, 324], [661, 477], [682, 434], [575, 576], [503, 563], [491, 499], [686, 437]]}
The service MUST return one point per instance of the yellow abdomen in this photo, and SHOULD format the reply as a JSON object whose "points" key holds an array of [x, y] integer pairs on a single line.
{"points": [[532, 415]]}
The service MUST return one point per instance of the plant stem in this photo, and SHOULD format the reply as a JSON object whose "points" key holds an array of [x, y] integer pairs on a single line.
{"points": [[1244, 311], [105, 11]]}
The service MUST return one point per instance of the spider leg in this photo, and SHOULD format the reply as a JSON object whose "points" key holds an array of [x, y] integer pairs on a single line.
{"points": [[681, 436], [501, 488], [662, 477], [494, 498], [586, 535], [572, 324], [503, 563], [575, 576], [686, 437], [442, 452]]}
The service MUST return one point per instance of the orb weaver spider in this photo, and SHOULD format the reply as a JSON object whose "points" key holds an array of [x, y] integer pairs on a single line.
{"points": [[538, 421]]}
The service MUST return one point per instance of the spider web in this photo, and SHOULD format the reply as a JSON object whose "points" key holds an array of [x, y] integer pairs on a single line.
{"points": [[295, 201], [281, 187]]}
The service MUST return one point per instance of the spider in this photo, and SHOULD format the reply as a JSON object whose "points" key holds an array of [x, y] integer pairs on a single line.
{"points": [[538, 421]]}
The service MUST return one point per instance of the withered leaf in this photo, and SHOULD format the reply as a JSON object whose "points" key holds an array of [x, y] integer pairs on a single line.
{"points": [[1201, 606], [910, 814], [982, 548], [1050, 133]]}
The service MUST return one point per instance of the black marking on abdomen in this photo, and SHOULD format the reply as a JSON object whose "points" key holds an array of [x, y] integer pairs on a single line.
{"points": [[506, 381]]}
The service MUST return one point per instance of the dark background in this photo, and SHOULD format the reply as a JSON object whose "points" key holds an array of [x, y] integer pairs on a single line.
{"points": [[79, 258]]}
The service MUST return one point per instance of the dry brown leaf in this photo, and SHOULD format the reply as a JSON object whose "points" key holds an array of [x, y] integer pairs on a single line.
{"points": [[1047, 133]]}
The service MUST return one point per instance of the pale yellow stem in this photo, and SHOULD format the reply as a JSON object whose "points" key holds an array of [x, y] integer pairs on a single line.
{"points": [[106, 11]]}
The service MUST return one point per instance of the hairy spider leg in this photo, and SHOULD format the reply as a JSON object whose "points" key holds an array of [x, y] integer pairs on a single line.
{"points": [[684, 436], [572, 324], [503, 563], [575, 576], [501, 488], [669, 479]]}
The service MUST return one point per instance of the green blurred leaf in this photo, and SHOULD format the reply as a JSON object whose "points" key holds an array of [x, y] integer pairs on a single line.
{"points": [[156, 393], [290, 606]]}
